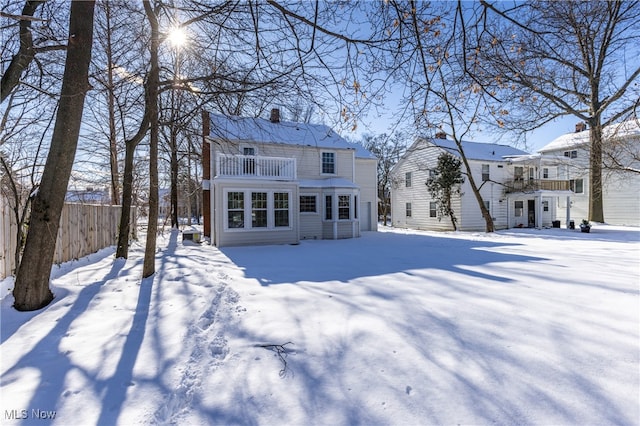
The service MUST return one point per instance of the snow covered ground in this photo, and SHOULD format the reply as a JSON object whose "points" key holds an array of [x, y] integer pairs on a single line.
{"points": [[397, 327]]}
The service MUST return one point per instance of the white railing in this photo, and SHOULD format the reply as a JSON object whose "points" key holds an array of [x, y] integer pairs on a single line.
{"points": [[256, 167]]}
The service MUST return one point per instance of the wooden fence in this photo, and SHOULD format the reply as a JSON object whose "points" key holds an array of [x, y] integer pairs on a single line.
{"points": [[84, 229]]}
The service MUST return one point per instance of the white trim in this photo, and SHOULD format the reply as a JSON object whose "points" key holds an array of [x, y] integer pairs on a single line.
{"points": [[247, 210], [335, 163], [317, 212]]}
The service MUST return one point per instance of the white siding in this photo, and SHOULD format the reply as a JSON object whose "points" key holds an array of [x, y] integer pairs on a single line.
{"points": [[468, 213], [621, 197], [311, 223], [235, 237], [366, 170], [423, 158]]}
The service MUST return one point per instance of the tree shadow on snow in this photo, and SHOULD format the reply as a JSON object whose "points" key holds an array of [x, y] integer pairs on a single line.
{"points": [[373, 254], [53, 365]]}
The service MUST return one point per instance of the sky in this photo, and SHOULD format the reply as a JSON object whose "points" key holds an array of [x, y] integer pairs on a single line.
{"points": [[522, 326]]}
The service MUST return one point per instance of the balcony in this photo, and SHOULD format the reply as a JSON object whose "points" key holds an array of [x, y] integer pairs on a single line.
{"points": [[255, 167], [531, 185]]}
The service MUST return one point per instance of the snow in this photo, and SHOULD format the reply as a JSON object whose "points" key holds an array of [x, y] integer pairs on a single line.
{"points": [[283, 132], [519, 327], [475, 150], [630, 128]]}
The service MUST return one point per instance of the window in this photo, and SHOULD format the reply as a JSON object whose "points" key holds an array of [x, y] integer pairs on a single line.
{"points": [[258, 209], [531, 173], [308, 204], [432, 173], [247, 210], [328, 208], [571, 154], [487, 205], [328, 163], [485, 172], [407, 209], [545, 173], [281, 208], [355, 206], [407, 179], [576, 185], [344, 207], [235, 209], [519, 208], [432, 209], [545, 206], [518, 172]]}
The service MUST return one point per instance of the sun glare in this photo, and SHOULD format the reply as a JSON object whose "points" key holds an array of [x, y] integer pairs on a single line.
{"points": [[177, 37]]}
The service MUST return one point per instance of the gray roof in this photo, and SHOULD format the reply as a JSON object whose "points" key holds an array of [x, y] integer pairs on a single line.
{"points": [[259, 130]]}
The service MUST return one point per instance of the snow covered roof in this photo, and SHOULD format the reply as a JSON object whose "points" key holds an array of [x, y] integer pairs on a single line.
{"points": [[576, 139], [259, 130], [478, 150]]}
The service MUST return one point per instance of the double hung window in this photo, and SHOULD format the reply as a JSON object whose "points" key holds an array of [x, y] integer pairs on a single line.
{"points": [[328, 163]]}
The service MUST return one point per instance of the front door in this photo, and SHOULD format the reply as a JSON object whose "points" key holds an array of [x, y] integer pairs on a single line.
{"points": [[531, 209]]}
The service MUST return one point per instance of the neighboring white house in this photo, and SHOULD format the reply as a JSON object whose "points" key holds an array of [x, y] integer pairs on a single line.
{"points": [[519, 190], [276, 182], [620, 175]]}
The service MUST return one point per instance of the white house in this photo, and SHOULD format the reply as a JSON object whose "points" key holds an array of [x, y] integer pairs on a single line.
{"points": [[620, 176], [276, 182], [518, 189]]}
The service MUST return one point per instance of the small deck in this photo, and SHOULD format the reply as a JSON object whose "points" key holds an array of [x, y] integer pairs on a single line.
{"points": [[532, 185], [255, 167]]}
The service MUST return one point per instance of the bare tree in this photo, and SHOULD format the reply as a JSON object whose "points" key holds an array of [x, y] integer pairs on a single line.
{"points": [[555, 58], [388, 150], [429, 62], [153, 82], [31, 290]]}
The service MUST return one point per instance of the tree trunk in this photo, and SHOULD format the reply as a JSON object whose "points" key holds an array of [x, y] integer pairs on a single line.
{"points": [[596, 206], [124, 230], [489, 226], [20, 62], [148, 266], [113, 146], [31, 290], [452, 214], [174, 169]]}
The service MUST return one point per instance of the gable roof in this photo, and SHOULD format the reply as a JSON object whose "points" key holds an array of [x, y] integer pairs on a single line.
{"points": [[479, 150], [259, 130], [573, 140], [472, 150]]}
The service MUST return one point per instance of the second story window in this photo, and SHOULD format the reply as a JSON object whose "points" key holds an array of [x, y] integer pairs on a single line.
{"points": [[485, 172], [518, 172], [545, 173], [571, 154], [576, 185], [328, 163], [407, 179]]}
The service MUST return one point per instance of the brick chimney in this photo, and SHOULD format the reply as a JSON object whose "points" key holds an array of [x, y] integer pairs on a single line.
{"points": [[581, 126], [441, 135], [275, 115]]}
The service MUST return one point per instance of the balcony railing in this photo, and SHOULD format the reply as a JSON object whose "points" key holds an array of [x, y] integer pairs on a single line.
{"points": [[530, 185], [256, 167]]}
